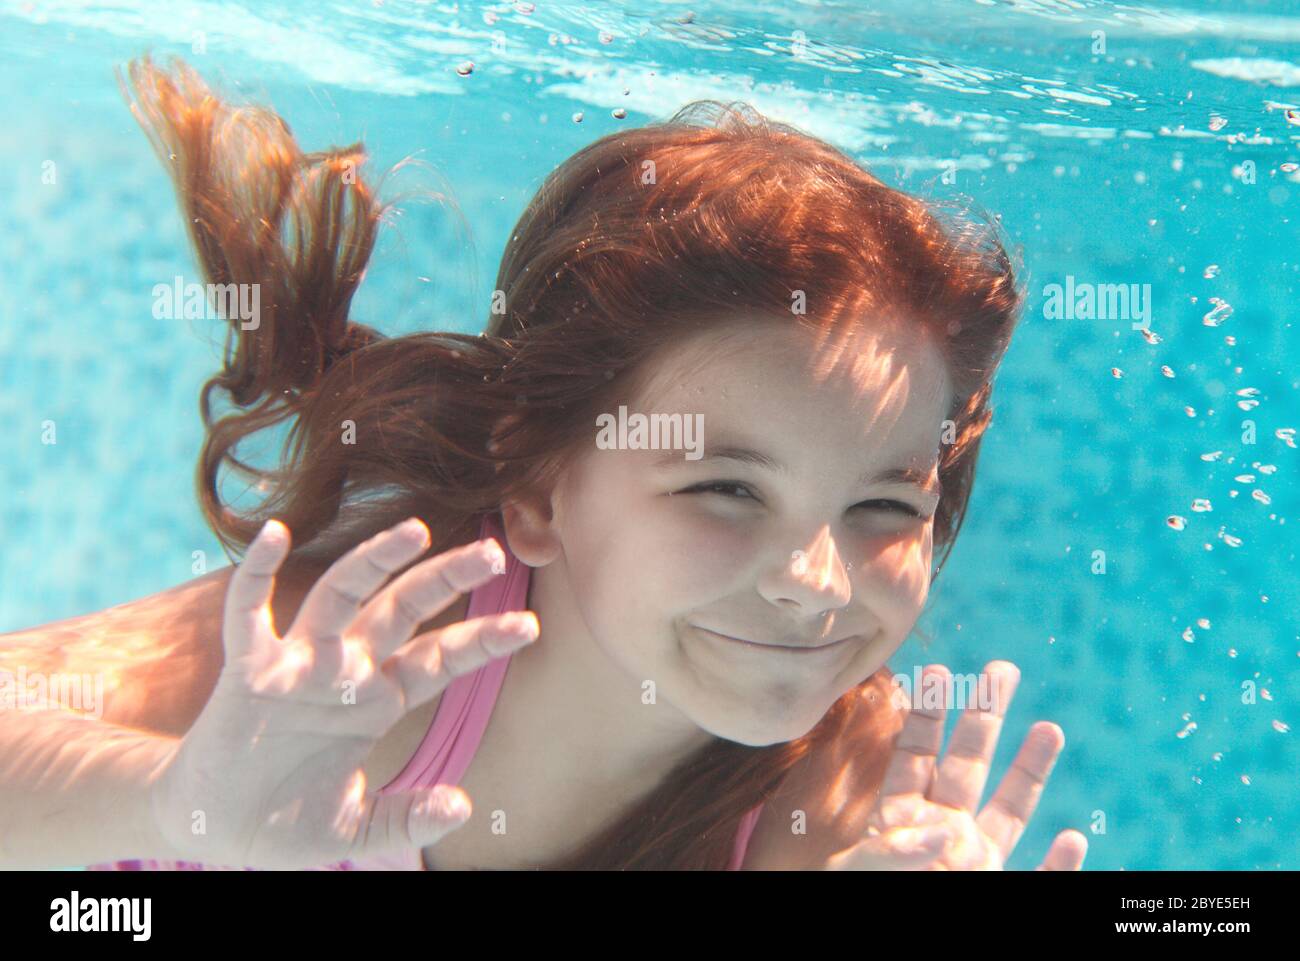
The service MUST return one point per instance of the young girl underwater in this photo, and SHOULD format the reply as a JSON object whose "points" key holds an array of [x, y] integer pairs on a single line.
{"points": [[627, 657]]}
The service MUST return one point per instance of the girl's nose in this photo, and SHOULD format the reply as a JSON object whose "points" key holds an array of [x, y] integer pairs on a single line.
{"points": [[811, 581]]}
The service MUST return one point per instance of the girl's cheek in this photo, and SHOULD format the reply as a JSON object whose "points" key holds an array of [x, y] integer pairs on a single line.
{"points": [[897, 570]]}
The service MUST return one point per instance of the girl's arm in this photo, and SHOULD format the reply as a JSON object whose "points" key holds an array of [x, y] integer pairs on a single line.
{"points": [[76, 791], [74, 784], [270, 772]]}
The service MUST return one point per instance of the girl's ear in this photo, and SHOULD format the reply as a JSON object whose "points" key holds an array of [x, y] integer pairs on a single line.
{"points": [[530, 529]]}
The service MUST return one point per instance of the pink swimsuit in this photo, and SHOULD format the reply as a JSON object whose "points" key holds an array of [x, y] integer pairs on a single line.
{"points": [[458, 725]]}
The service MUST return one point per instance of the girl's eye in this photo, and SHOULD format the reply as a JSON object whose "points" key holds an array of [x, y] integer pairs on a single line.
{"points": [[728, 489], [721, 487]]}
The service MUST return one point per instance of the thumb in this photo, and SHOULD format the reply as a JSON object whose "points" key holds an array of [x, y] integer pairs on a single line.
{"points": [[413, 819], [903, 849]]}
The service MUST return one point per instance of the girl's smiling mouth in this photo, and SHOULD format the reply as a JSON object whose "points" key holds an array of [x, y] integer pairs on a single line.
{"points": [[803, 650]]}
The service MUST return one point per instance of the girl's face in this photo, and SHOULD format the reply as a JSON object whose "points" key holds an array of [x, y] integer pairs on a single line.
{"points": [[757, 584]]}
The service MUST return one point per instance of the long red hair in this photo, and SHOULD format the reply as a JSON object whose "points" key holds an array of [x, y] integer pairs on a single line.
{"points": [[634, 242]]}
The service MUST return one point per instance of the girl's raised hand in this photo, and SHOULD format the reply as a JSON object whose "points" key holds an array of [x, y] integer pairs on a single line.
{"points": [[925, 816], [270, 774]]}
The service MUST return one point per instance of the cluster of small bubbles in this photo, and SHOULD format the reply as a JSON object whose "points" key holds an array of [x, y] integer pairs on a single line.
{"points": [[1249, 393], [1187, 729], [1212, 455], [1176, 522], [1211, 271], [1150, 336], [1221, 312], [1116, 373], [1166, 370], [1201, 505]]}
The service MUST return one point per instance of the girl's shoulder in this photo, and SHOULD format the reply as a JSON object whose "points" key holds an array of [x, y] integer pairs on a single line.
{"points": [[822, 804]]}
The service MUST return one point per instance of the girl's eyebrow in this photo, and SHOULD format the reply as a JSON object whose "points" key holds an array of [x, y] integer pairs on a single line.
{"points": [[922, 479]]}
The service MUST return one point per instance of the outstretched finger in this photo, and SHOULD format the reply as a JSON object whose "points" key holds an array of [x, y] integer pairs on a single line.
{"points": [[1004, 818], [428, 663], [336, 597], [916, 749], [1066, 853], [964, 770], [421, 593], [248, 595]]}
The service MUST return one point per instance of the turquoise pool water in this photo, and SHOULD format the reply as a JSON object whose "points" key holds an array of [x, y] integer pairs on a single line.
{"points": [[1140, 145]]}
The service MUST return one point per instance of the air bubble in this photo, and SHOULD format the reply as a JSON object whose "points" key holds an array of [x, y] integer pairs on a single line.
{"points": [[1221, 312]]}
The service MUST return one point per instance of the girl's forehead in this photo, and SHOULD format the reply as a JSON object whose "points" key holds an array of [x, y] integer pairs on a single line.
{"points": [[867, 361]]}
